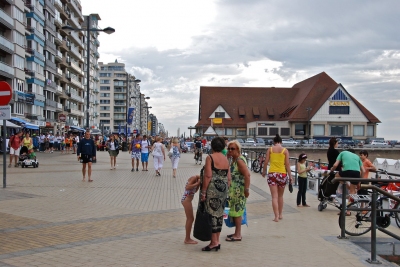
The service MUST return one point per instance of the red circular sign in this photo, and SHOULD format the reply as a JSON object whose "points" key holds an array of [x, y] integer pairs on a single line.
{"points": [[62, 117], [5, 93]]}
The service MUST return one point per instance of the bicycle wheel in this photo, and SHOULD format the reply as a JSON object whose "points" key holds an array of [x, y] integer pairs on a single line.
{"points": [[357, 223], [397, 214], [256, 166], [262, 166]]}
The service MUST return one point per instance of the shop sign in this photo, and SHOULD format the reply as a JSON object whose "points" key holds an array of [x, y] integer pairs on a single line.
{"points": [[339, 103]]}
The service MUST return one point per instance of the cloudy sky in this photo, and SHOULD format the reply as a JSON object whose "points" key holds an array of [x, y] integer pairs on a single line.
{"points": [[176, 46]]}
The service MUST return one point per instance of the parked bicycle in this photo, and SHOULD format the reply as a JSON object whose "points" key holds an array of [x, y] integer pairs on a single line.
{"points": [[258, 163]]}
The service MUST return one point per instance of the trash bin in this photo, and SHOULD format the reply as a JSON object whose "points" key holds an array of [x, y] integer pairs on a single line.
{"points": [[124, 146]]}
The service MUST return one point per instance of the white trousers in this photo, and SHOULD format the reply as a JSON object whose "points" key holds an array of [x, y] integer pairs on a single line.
{"points": [[174, 161], [158, 162]]}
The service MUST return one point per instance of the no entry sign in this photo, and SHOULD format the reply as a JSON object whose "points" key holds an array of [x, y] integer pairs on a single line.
{"points": [[5, 93]]}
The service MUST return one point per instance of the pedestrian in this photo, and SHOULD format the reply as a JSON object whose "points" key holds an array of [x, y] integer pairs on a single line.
{"points": [[144, 153], [27, 141], [302, 174], [239, 190], [214, 189], [176, 154], [113, 151], [51, 142], [86, 152], [191, 187], [41, 142], [46, 143], [278, 173], [14, 144], [332, 152], [158, 151], [134, 149]]}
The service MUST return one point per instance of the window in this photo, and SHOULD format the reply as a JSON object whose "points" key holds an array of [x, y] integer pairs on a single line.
{"points": [[358, 130], [370, 130], [219, 131], [285, 131], [339, 110], [19, 108], [219, 114], [19, 62], [104, 108], [104, 94], [228, 131], [338, 130], [19, 39], [18, 14], [104, 88], [104, 114], [105, 81], [102, 101], [273, 131], [252, 131], [241, 132], [105, 121], [105, 74], [299, 129], [319, 129], [262, 131]]}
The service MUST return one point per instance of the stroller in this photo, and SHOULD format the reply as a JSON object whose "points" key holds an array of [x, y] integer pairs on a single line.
{"points": [[327, 192], [27, 157]]}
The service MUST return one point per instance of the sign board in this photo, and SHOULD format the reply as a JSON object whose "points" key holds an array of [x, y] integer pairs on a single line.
{"points": [[217, 120], [5, 112], [5, 93], [339, 103], [135, 131], [62, 117], [131, 115]]}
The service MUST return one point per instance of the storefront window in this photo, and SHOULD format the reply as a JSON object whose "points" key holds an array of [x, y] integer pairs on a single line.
{"points": [[299, 129], [358, 130], [338, 130], [319, 129]]}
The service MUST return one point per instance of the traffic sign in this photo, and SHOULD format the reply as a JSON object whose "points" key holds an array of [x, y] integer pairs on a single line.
{"points": [[5, 93]]}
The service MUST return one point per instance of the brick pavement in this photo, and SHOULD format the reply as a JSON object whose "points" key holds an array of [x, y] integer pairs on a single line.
{"points": [[49, 217]]}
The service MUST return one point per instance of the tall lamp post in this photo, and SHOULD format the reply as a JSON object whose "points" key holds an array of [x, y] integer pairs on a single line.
{"points": [[140, 108], [308, 121], [88, 29]]}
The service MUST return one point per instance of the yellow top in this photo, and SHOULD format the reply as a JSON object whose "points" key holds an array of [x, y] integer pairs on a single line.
{"points": [[277, 162], [27, 142]]}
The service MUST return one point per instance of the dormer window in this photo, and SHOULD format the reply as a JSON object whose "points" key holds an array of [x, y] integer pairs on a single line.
{"points": [[219, 114], [242, 113], [256, 113]]}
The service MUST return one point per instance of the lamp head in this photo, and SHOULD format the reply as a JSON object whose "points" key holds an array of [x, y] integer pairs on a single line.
{"points": [[137, 81], [109, 30], [68, 28]]}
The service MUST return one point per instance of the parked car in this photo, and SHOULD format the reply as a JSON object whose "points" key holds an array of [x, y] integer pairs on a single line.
{"points": [[379, 143], [249, 141], [289, 142], [269, 142], [260, 142], [240, 140]]}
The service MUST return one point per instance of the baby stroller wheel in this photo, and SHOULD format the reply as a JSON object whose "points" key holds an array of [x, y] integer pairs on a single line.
{"points": [[320, 207], [325, 205], [37, 165]]}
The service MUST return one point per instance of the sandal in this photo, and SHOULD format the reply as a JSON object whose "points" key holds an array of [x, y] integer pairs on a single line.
{"points": [[232, 239], [90, 180]]}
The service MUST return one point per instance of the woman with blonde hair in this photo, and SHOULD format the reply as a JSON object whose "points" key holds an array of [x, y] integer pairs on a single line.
{"points": [[176, 154], [158, 155], [113, 145]]}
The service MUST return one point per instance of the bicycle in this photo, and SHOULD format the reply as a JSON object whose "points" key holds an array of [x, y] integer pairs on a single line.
{"points": [[258, 163]]}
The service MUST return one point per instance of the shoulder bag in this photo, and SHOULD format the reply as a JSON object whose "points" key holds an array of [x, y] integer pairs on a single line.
{"points": [[171, 151], [202, 229]]}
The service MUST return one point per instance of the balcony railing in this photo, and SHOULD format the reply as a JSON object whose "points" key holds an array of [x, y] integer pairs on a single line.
{"points": [[76, 52], [75, 36], [50, 5], [59, 72], [75, 67], [58, 21], [59, 106], [7, 44], [34, 53], [51, 45], [51, 65], [7, 18], [59, 89], [77, 83], [51, 103], [40, 98], [74, 21], [59, 54], [57, 4], [50, 25], [6, 68], [40, 76], [77, 112], [34, 9], [36, 32]]}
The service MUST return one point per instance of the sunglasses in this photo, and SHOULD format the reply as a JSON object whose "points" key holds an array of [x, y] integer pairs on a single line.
{"points": [[231, 148]]}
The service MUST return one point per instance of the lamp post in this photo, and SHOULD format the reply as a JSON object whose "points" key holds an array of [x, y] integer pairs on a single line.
{"points": [[308, 121], [140, 109], [88, 29]]}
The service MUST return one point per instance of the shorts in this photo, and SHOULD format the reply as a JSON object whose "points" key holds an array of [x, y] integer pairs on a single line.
{"points": [[277, 178], [350, 174], [135, 155], [15, 151], [86, 159], [145, 157], [51, 145]]}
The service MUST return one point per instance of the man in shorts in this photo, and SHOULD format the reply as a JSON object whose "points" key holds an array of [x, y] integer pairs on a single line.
{"points": [[197, 147], [86, 154], [145, 144], [15, 144], [352, 167], [134, 150]]}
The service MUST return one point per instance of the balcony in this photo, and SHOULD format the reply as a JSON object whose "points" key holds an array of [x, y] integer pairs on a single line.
{"points": [[58, 5], [29, 72], [48, 24], [96, 54], [35, 10], [6, 45], [96, 91], [75, 7], [96, 102], [74, 21], [63, 46], [34, 53], [40, 76], [51, 65], [58, 22], [58, 38], [51, 103], [51, 46], [51, 84], [75, 52], [75, 67], [49, 6], [76, 38], [59, 90], [36, 32], [96, 66], [96, 42], [59, 55], [77, 112], [77, 83], [40, 98], [6, 19], [6, 70]]}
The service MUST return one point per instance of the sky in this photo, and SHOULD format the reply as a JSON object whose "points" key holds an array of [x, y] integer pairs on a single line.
{"points": [[176, 46]]}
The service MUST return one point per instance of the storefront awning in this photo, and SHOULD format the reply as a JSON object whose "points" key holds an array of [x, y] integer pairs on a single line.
{"points": [[9, 124], [25, 124], [75, 128]]}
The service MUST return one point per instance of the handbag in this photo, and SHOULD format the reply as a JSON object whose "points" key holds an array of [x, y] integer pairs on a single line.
{"points": [[171, 152], [290, 187], [202, 229], [230, 223]]}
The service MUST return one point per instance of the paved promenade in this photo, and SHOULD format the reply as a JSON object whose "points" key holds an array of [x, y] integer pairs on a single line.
{"points": [[49, 217]]}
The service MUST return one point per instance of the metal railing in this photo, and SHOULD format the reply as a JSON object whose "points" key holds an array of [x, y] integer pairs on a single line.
{"points": [[6, 43]]}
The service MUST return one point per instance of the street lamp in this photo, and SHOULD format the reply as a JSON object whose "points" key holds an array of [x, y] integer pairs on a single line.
{"points": [[308, 121], [88, 29], [140, 108]]}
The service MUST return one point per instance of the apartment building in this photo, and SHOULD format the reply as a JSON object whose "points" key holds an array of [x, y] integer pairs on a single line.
{"points": [[46, 65], [118, 91]]}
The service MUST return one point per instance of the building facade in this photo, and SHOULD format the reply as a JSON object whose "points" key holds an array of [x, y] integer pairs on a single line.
{"points": [[317, 107]]}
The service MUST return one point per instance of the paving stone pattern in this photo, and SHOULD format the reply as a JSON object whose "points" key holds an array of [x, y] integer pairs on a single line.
{"points": [[49, 217]]}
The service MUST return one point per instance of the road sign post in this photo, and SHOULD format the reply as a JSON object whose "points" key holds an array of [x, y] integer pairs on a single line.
{"points": [[5, 114]]}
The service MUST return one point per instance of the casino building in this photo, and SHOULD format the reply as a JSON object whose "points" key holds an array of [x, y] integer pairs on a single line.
{"points": [[317, 107]]}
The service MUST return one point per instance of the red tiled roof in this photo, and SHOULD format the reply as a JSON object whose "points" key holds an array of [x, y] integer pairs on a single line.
{"points": [[270, 102]]}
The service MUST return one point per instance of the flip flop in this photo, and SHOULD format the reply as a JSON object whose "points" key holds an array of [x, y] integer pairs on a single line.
{"points": [[232, 239], [229, 236]]}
